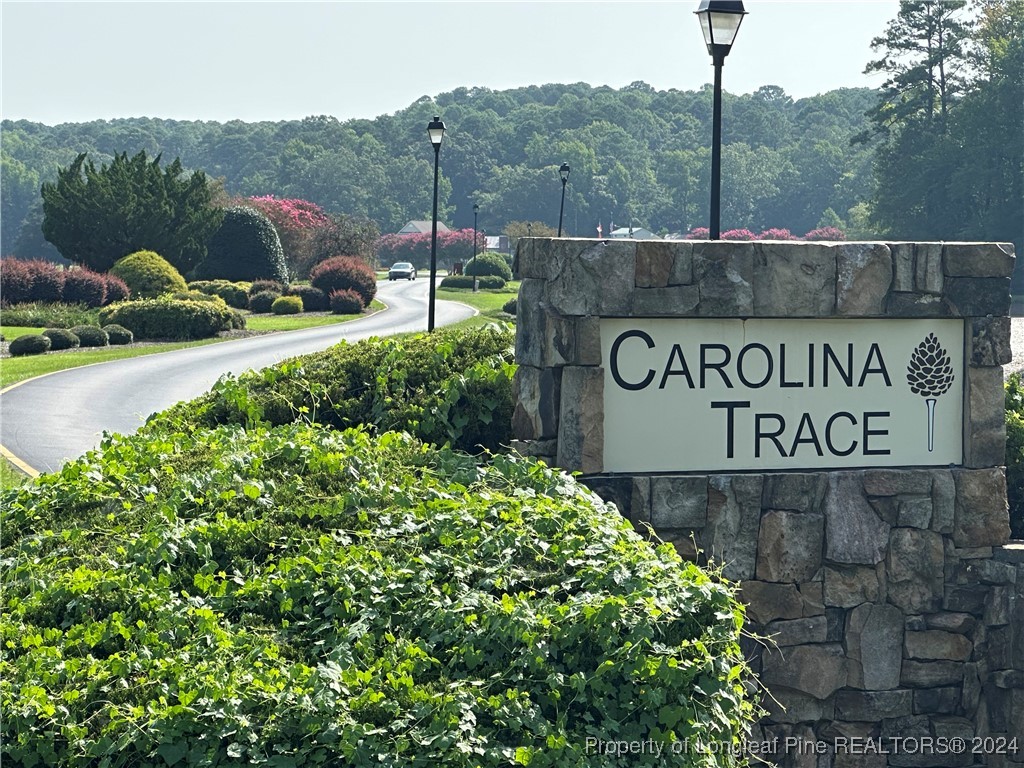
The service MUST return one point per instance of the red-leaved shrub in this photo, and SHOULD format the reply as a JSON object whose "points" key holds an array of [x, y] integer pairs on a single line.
{"points": [[117, 289], [47, 280], [83, 286], [15, 282], [345, 272], [346, 302]]}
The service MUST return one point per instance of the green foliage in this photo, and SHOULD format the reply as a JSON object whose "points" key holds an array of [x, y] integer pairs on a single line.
{"points": [[61, 338], [287, 305], [118, 334], [29, 344], [345, 272], [148, 275], [234, 294], [199, 296], [449, 386], [263, 301], [244, 247], [1015, 453], [167, 318], [488, 263], [465, 281], [47, 315], [91, 336], [510, 306], [96, 216], [346, 302], [313, 299], [266, 285], [302, 597]]}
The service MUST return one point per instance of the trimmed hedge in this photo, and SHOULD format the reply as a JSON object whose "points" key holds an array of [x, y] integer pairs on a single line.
{"points": [[262, 302], [29, 344], [83, 286], [465, 281], [117, 289], [488, 263], [166, 318], [234, 294], [341, 272], [62, 338], [258, 286], [346, 302], [313, 299], [510, 306], [302, 597], [118, 335], [148, 275], [287, 305], [244, 247], [450, 386], [91, 335]]}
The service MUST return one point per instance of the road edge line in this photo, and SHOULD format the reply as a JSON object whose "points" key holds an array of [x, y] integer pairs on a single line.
{"points": [[19, 464]]}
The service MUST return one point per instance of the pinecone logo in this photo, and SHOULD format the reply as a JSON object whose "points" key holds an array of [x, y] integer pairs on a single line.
{"points": [[930, 375]]}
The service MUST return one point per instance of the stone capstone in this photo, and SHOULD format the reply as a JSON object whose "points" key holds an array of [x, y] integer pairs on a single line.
{"points": [[864, 275], [594, 278], [978, 259], [794, 282], [724, 274]]}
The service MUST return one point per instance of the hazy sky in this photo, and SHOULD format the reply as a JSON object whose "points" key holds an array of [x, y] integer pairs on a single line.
{"points": [[78, 61]]}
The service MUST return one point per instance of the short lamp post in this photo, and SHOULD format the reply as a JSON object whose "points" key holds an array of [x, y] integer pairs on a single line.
{"points": [[563, 173], [719, 21], [435, 129], [476, 210]]}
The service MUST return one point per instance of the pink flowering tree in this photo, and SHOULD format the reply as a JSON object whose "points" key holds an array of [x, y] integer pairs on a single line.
{"points": [[698, 233], [775, 233], [297, 222], [739, 234], [451, 247], [825, 233]]}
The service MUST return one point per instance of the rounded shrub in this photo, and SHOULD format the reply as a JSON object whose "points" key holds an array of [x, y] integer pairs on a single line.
{"points": [[262, 302], [29, 344], [199, 296], [346, 302], [234, 294], [345, 272], [487, 282], [118, 334], [83, 286], [313, 299], [286, 305], [488, 263], [61, 338], [167, 318], [47, 281], [91, 335], [117, 289], [147, 274], [15, 281], [244, 247], [509, 307], [258, 286]]}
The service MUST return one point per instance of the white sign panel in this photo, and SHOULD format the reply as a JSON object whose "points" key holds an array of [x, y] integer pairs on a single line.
{"points": [[724, 394]]}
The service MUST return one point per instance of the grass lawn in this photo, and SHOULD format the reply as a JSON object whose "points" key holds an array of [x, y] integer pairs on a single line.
{"points": [[11, 332], [10, 476], [489, 302], [271, 322]]}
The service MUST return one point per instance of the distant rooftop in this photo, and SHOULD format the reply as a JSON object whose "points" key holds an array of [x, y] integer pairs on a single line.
{"points": [[421, 228]]}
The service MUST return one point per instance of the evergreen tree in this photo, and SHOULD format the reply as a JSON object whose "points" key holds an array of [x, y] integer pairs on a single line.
{"points": [[96, 216]]}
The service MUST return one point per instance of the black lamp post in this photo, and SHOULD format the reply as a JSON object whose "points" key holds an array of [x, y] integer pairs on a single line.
{"points": [[435, 130], [719, 21], [563, 172], [476, 210]]}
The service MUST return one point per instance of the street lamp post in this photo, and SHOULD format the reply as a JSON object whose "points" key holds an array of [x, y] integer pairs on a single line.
{"points": [[435, 130], [719, 21], [563, 172], [476, 210]]}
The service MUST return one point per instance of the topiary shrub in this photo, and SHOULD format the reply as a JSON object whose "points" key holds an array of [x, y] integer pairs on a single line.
{"points": [[15, 282], [29, 344], [343, 272], [148, 275], [234, 294], [117, 289], [286, 305], [487, 263], [167, 318], [487, 282], [118, 335], [509, 307], [262, 302], [313, 299], [346, 302], [61, 338], [244, 247], [91, 336], [83, 286], [258, 286]]}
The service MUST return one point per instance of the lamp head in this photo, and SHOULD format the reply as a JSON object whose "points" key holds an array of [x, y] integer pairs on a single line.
{"points": [[563, 172], [436, 130], [720, 21]]}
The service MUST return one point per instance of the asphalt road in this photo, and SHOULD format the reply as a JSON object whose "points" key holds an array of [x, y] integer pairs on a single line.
{"points": [[45, 421]]}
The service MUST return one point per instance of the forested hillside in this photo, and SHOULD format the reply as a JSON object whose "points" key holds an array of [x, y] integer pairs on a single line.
{"points": [[637, 156]]}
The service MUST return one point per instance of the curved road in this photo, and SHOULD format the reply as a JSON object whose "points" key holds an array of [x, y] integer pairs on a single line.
{"points": [[45, 421]]}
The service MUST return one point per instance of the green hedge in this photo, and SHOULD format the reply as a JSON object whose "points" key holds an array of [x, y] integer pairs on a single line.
{"points": [[303, 597], [167, 318], [148, 275], [287, 305], [1015, 453], [449, 386], [29, 344], [488, 263], [465, 281], [234, 294]]}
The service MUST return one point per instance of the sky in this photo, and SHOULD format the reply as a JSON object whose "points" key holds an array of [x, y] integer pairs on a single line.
{"points": [[80, 61]]}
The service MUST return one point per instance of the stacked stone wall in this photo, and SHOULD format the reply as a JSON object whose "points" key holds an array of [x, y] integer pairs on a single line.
{"points": [[893, 601]]}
